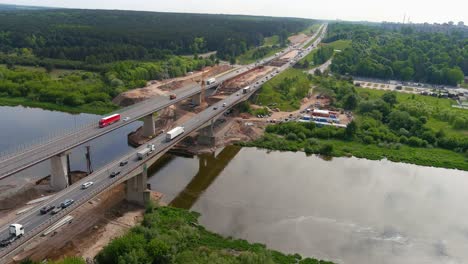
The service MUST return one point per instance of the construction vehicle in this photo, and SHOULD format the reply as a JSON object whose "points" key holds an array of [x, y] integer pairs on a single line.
{"points": [[16, 231]]}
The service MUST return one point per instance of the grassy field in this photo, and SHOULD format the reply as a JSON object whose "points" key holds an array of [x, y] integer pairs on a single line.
{"points": [[339, 44], [271, 93], [247, 57], [311, 29]]}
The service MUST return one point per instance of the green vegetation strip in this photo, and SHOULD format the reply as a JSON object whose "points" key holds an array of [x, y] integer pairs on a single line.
{"points": [[171, 235]]}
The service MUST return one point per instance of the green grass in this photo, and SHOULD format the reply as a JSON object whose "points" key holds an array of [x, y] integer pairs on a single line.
{"points": [[311, 29], [91, 109], [247, 58], [339, 44], [270, 91], [270, 41]]}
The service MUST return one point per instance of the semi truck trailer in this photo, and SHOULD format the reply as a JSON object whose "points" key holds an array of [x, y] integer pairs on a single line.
{"points": [[145, 152], [16, 231], [173, 133]]}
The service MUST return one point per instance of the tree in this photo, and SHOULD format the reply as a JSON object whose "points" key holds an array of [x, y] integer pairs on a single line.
{"points": [[390, 98], [351, 130], [351, 102], [326, 149]]}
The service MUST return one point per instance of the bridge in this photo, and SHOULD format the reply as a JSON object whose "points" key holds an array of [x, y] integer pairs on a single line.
{"points": [[134, 174]]}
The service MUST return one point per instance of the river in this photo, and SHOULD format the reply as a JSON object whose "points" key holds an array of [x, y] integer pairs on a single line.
{"points": [[347, 210]]}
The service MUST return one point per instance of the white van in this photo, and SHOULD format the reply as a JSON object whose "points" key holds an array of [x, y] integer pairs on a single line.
{"points": [[86, 185]]}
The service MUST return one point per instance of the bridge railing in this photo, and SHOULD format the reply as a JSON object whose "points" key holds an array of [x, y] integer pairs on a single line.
{"points": [[46, 139]]}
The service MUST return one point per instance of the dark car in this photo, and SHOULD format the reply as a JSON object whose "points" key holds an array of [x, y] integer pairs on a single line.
{"points": [[46, 209], [66, 203], [114, 173], [125, 162]]}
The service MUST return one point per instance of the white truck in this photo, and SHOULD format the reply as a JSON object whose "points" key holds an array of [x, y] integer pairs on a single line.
{"points": [[210, 81], [246, 89], [173, 133], [145, 152], [16, 231]]}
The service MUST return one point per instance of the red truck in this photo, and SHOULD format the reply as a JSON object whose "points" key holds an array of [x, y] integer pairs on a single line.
{"points": [[108, 120]]}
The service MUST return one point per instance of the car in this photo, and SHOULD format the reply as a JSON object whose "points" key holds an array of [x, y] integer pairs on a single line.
{"points": [[224, 104], [46, 209], [215, 108], [125, 162], [126, 118], [67, 203], [237, 94], [114, 173], [56, 210], [86, 185]]}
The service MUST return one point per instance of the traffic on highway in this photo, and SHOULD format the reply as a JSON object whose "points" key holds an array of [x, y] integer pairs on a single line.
{"points": [[38, 219]]}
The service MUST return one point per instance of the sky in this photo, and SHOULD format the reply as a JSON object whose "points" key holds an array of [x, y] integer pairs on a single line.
{"points": [[418, 11]]}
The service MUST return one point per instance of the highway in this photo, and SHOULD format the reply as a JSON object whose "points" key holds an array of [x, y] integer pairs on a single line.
{"points": [[34, 223]]}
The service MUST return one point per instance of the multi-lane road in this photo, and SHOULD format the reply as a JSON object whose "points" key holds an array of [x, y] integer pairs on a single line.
{"points": [[35, 223]]}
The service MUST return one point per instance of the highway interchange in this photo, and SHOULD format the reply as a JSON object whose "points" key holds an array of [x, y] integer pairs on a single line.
{"points": [[35, 223]]}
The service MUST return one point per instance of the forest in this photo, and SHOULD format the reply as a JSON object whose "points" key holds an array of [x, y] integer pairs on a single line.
{"points": [[99, 36], [403, 54]]}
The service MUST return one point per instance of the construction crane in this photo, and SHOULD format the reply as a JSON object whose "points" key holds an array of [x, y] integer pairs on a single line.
{"points": [[202, 82]]}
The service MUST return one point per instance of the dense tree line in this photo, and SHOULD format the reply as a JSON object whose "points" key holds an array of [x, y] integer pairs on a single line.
{"points": [[405, 55], [98, 36]]}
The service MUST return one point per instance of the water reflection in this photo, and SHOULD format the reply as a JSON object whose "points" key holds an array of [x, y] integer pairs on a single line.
{"points": [[348, 210]]}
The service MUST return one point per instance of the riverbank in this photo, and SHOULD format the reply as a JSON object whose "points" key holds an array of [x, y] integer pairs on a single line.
{"points": [[434, 157]]}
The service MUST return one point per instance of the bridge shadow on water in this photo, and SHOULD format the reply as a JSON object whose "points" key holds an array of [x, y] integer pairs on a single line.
{"points": [[210, 166]]}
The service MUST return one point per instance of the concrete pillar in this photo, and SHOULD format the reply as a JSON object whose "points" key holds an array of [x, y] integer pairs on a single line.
{"points": [[136, 188], [206, 135], [59, 172], [196, 99], [148, 126]]}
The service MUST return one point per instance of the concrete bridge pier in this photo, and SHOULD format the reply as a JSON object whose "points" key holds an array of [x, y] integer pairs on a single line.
{"points": [[206, 135], [196, 99], [148, 126], [136, 190], [59, 171]]}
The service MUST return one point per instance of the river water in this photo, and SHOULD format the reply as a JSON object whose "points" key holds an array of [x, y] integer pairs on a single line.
{"points": [[347, 210]]}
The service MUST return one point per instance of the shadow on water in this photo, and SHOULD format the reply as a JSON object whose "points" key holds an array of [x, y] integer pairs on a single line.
{"points": [[210, 166]]}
